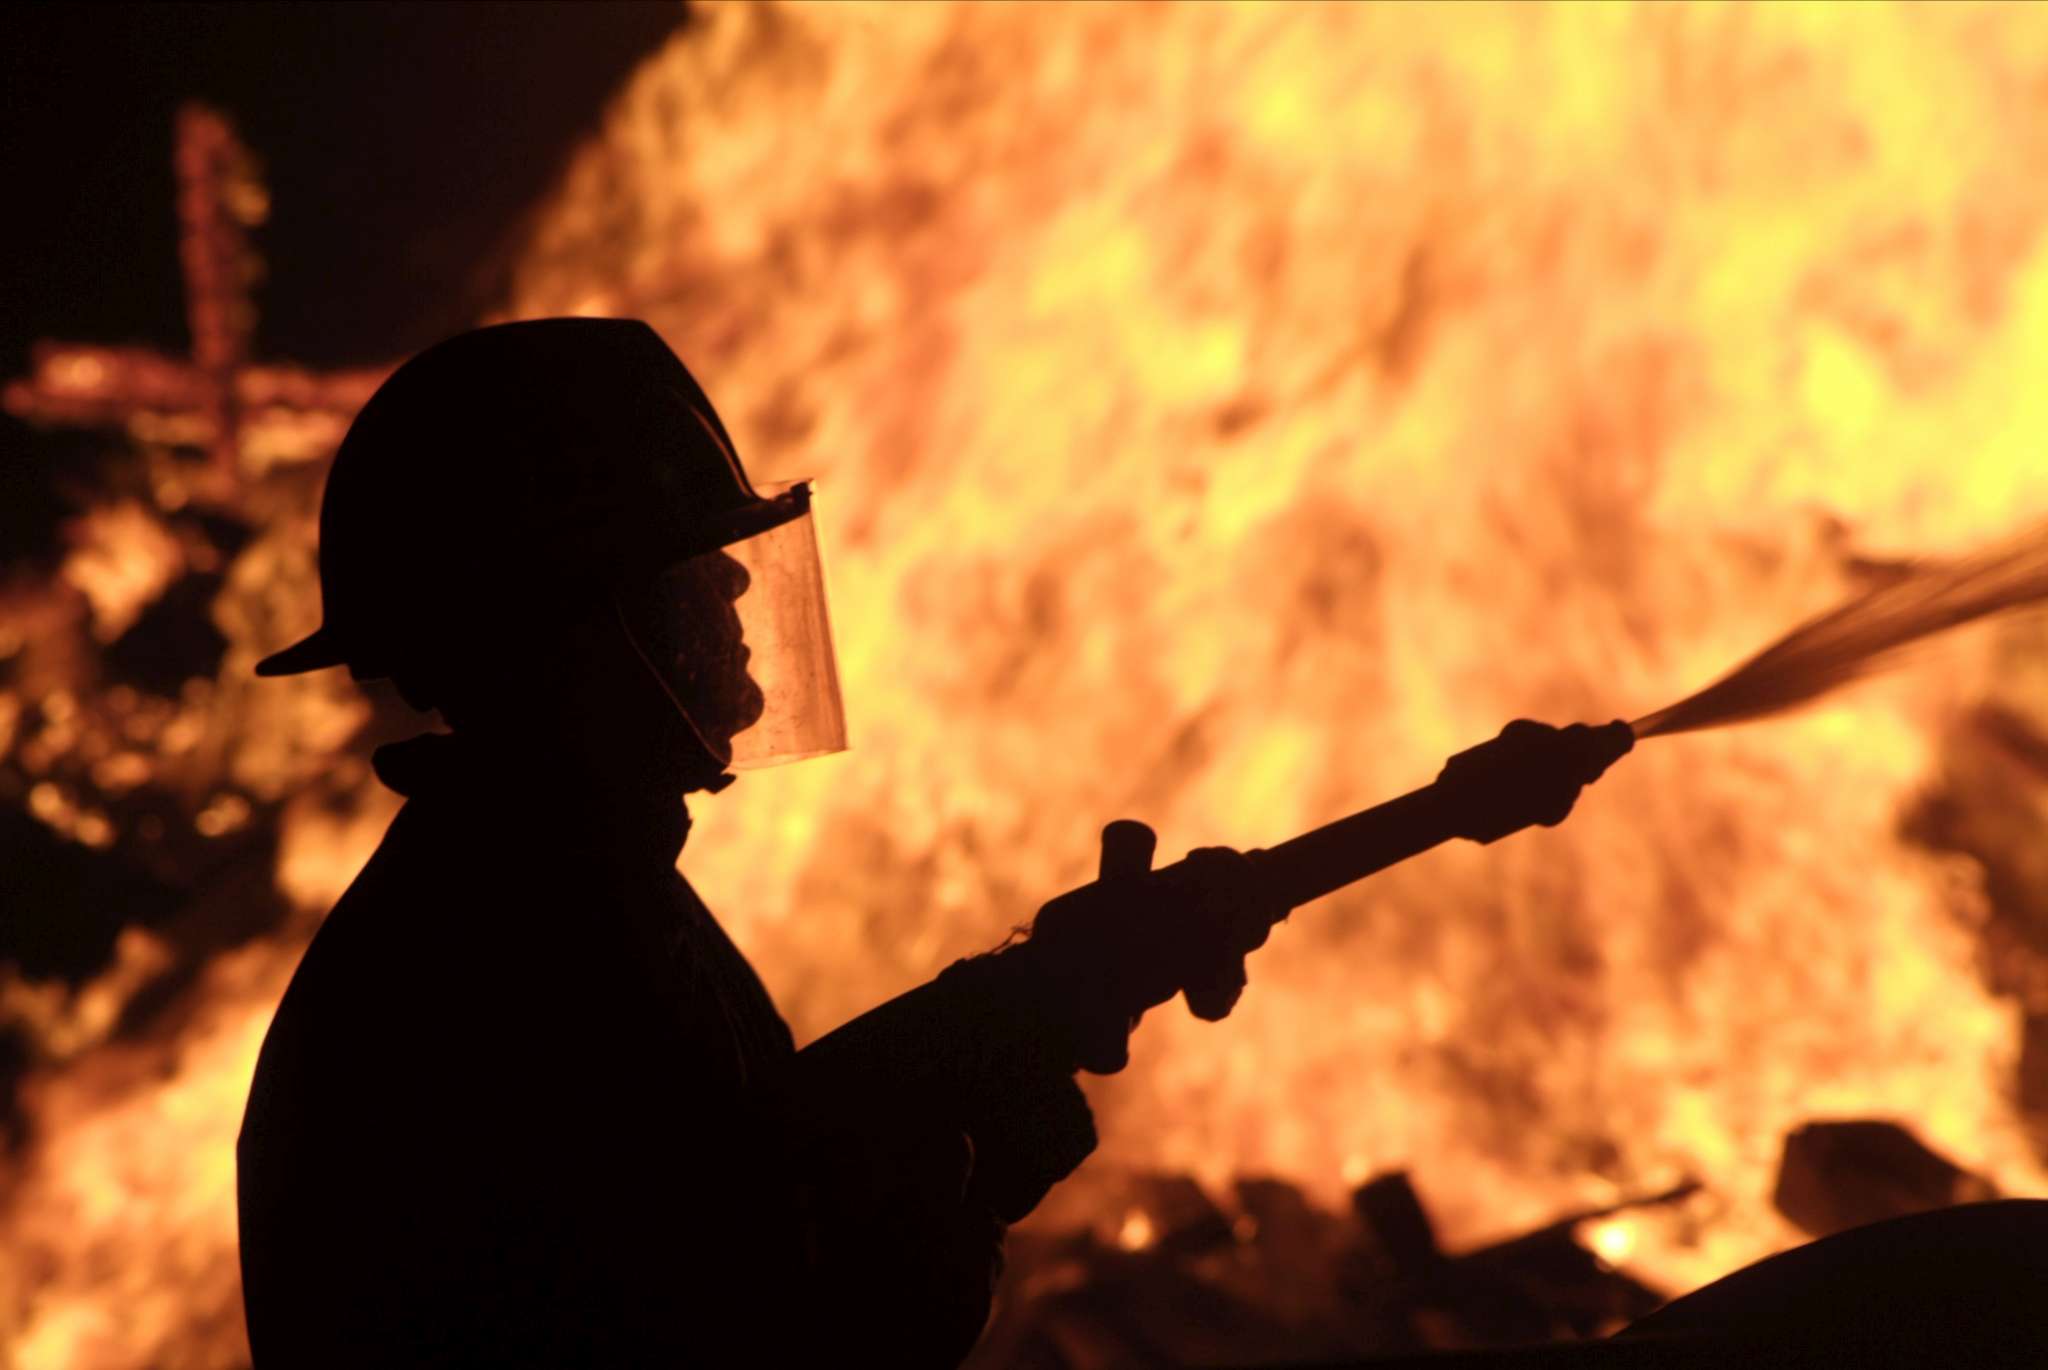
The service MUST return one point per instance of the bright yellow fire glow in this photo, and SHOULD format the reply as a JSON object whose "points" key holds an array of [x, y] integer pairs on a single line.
{"points": [[1223, 412]]}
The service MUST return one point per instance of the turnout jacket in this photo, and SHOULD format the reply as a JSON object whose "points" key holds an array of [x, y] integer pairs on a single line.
{"points": [[525, 1104]]}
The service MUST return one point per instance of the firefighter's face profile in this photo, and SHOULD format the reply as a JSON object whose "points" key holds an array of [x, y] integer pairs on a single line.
{"points": [[739, 641], [708, 654]]}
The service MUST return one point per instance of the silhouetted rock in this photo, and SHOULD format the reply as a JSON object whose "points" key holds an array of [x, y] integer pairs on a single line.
{"points": [[1399, 1225], [1839, 1175], [1296, 1283], [1182, 1217]]}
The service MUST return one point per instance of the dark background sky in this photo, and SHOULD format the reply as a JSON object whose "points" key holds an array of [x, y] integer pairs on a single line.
{"points": [[402, 143]]}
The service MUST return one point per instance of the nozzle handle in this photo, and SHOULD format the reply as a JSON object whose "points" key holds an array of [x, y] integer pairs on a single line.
{"points": [[1527, 776], [1326, 859]]}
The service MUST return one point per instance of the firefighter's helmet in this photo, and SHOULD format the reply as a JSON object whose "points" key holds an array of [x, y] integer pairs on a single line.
{"points": [[573, 460]]}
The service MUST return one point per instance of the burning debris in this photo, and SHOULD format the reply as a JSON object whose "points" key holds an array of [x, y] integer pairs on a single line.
{"points": [[171, 835], [1169, 1275]]}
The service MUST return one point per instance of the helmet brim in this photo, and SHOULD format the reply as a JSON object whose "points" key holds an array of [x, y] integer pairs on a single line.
{"points": [[312, 653], [321, 649]]}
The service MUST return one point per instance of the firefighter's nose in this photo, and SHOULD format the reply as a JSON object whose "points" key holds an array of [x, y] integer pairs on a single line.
{"points": [[731, 576]]}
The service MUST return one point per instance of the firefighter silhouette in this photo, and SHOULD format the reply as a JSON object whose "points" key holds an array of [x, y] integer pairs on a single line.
{"points": [[524, 1102]]}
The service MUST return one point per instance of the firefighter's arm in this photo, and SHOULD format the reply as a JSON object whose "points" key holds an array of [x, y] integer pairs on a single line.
{"points": [[992, 1044], [973, 1057]]}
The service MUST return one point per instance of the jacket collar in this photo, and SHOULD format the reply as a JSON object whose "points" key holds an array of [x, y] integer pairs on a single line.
{"points": [[535, 790]]}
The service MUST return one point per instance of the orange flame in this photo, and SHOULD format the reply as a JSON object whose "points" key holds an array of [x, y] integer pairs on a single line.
{"points": [[1228, 411]]}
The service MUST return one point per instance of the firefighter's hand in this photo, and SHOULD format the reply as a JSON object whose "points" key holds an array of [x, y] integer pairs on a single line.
{"points": [[1106, 952], [1531, 774]]}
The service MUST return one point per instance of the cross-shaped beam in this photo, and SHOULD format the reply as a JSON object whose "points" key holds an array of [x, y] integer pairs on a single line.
{"points": [[245, 417]]}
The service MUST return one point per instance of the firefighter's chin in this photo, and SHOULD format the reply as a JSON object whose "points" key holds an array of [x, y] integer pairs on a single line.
{"points": [[753, 703], [710, 750]]}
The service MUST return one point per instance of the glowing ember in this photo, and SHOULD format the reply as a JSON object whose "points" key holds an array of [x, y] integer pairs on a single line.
{"points": [[1613, 1240], [1136, 1232], [122, 558]]}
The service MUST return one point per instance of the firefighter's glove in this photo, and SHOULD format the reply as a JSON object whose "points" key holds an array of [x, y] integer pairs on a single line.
{"points": [[1106, 952], [1531, 774]]}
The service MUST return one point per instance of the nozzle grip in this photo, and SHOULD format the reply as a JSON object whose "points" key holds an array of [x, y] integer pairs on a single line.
{"points": [[1529, 775]]}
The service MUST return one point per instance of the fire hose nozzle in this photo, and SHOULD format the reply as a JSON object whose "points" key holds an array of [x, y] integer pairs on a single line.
{"points": [[1529, 776], [1606, 745]]}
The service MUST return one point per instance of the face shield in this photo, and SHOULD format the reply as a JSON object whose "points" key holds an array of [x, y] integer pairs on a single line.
{"points": [[740, 639]]}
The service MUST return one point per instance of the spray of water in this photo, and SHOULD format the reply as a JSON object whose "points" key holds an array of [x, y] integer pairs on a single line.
{"points": [[1868, 632]]}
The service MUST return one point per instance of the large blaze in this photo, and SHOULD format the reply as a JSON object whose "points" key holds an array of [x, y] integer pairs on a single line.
{"points": [[1221, 414]]}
